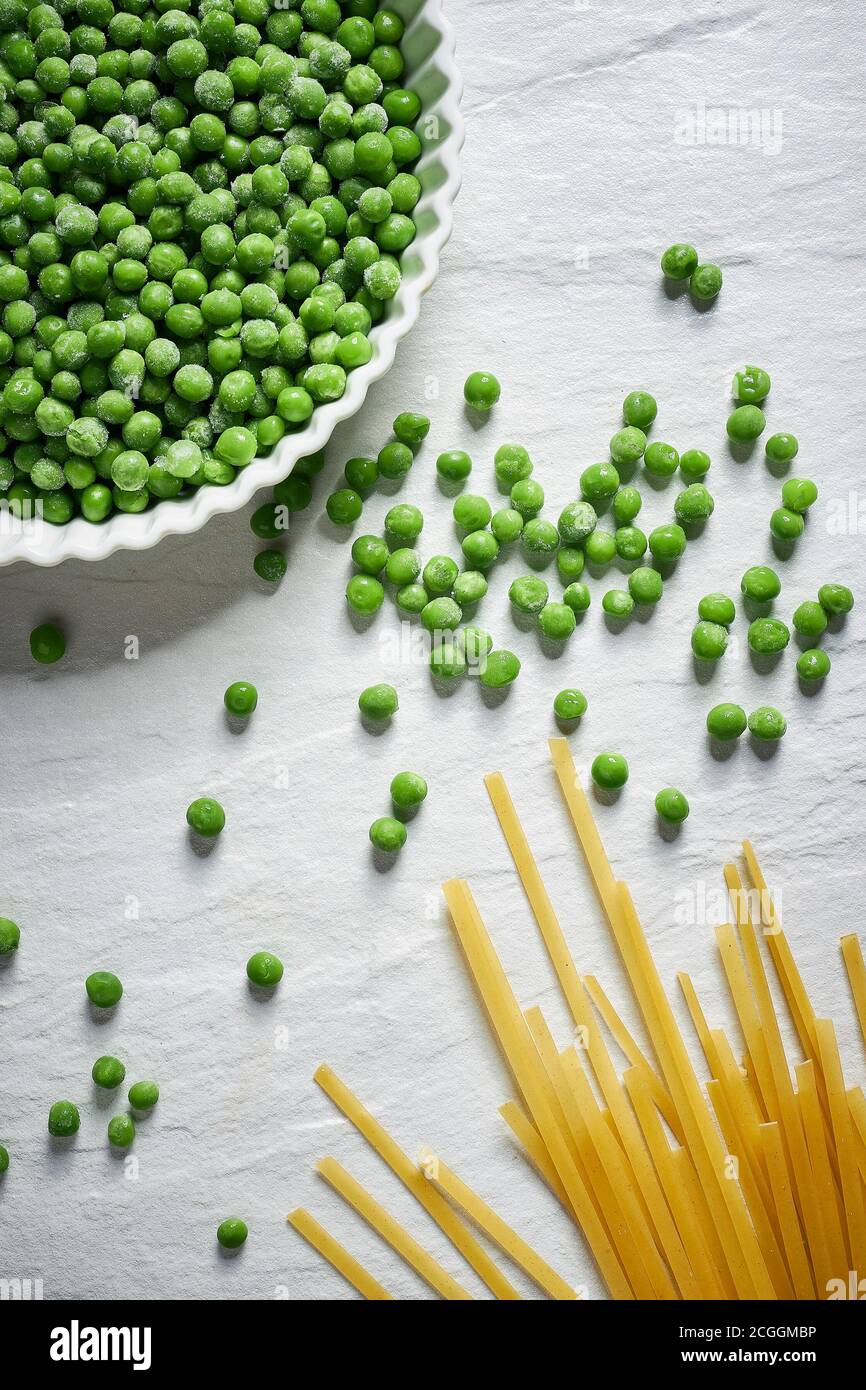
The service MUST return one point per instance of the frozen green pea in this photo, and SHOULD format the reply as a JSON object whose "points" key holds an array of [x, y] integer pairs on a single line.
{"points": [[640, 409], [498, 668], [206, 817], [469, 587], [471, 512], [746, 423], [528, 594], [627, 503], [798, 494], [408, 790], [705, 281], [394, 460], [577, 520], [411, 428], [694, 463], [270, 565], [103, 989], [539, 538], [761, 584], [480, 549], [527, 498], [671, 806], [609, 771], [767, 723], [441, 613], [378, 702], [481, 390], [570, 563], [474, 642], [599, 547], [662, 460], [404, 522], [726, 722], [599, 482], [630, 541], [344, 506], [454, 465], [264, 969], [47, 644], [709, 640], [618, 603], [751, 385], [693, 504], [440, 576], [370, 554], [361, 474], [121, 1131], [232, 1233], [364, 594], [557, 621], [768, 635], [781, 448], [10, 936], [506, 525], [447, 657], [511, 464], [667, 543], [813, 665], [645, 585], [577, 596], [717, 608], [412, 598], [628, 445], [388, 834], [836, 598], [108, 1072], [786, 525], [810, 619], [679, 260], [4, 1158], [403, 566], [63, 1119], [569, 705]]}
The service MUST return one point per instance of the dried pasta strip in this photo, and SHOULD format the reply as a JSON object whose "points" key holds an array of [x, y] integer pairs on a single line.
{"points": [[799, 1004], [391, 1231], [513, 1245], [747, 1118], [524, 1130], [748, 1014], [401, 1164], [832, 1260], [780, 1182], [331, 1250], [630, 1049], [854, 965], [697, 1199], [843, 1134], [517, 1044]]}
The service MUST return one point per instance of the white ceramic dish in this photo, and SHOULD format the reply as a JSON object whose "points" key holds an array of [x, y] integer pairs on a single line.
{"points": [[428, 46]]}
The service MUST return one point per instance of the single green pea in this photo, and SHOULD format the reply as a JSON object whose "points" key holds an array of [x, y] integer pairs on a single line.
{"points": [[570, 563], [408, 790], [241, 698], [370, 554], [511, 464], [539, 538], [640, 409], [388, 834], [761, 584], [480, 549], [599, 547], [394, 460], [569, 704], [810, 619], [474, 642], [268, 522], [671, 806], [499, 668], [577, 596], [798, 494], [645, 585], [481, 390], [628, 445], [630, 541], [206, 817], [786, 525], [599, 482], [618, 603], [121, 1131], [361, 474], [364, 594], [667, 543], [454, 465], [662, 460], [63, 1119], [264, 969], [694, 463], [472, 513], [557, 621], [781, 448], [527, 498], [726, 722], [717, 608], [768, 635], [679, 260], [378, 702], [447, 657], [108, 1072], [751, 385], [404, 522], [412, 598], [693, 504], [403, 566], [577, 520], [609, 771], [813, 665], [232, 1233], [528, 594], [627, 502], [746, 423], [469, 587], [344, 506], [767, 723], [47, 644], [10, 936], [270, 565], [705, 281], [410, 427], [506, 525], [836, 598], [440, 576], [103, 989], [441, 614], [709, 640]]}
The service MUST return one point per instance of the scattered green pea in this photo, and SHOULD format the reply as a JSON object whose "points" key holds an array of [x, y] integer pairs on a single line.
{"points": [[813, 665], [480, 549], [506, 525], [440, 576], [47, 644], [746, 423], [403, 566], [103, 989], [270, 565], [404, 522], [264, 969], [447, 657], [557, 621], [781, 448], [693, 504], [108, 1072], [645, 585], [836, 598], [627, 503], [241, 698], [232, 1233], [206, 817], [761, 584], [4, 1158], [609, 771], [411, 428], [481, 390], [499, 668], [121, 1131], [639, 409], [671, 805], [570, 563], [768, 635], [627, 446], [667, 543], [361, 475], [662, 460], [378, 702], [388, 834], [577, 596], [569, 704], [408, 790], [344, 506], [511, 464], [471, 512], [599, 547], [469, 587], [786, 525], [454, 465], [705, 281], [798, 494], [767, 723], [370, 554], [577, 520], [618, 603], [695, 464], [10, 935], [527, 498], [394, 460], [717, 608], [810, 619], [412, 598], [474, 642], [751, 385], [726, 722], [364, 594], [441, 614], [679, 260], [709, 640], [63, 1119], [630, 541], [539, 537]]}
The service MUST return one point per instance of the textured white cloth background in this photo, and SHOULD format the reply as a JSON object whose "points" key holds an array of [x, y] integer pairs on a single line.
{"points": [[574, 181]]}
